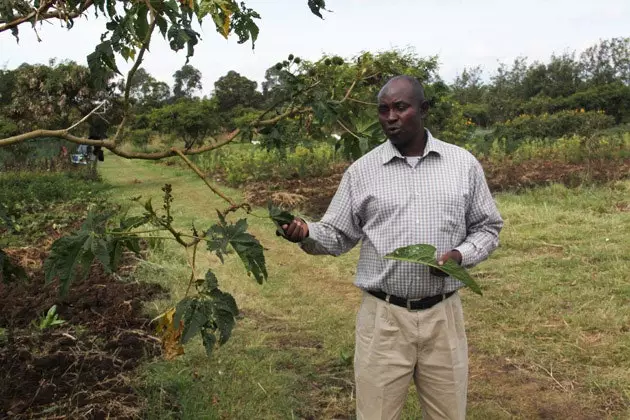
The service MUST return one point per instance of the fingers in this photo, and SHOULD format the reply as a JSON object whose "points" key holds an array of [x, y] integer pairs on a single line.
{"points": [[443, 258], [296, 231]]}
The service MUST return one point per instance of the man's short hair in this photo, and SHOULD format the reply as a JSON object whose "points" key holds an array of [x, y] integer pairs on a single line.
{"points": [[418, 89]]}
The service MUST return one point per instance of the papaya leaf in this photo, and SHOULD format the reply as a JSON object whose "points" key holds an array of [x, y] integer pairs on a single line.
{"points": [[194, 317], [142, 24], [280, 217], [224, 301], [246, 246], [209, 341], [425, 254], [181, 309], [100, 250], [115, 253], [70, 257], [211, 281], [225, 323]]}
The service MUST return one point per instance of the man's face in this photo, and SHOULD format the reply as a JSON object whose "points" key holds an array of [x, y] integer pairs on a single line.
{"points": [[400, 113]]}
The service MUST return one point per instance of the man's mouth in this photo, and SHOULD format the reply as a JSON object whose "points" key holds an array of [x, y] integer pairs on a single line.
{"points": [[393, 130]]}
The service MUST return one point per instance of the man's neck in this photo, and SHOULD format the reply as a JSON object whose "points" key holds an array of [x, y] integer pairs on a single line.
{"points": [[416, 146]]}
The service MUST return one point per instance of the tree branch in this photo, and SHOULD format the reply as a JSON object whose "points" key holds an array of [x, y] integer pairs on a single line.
{"points": [[201, 175], [45, 16], [61, 134], [348, 130], [132, 72], [87, 116], [289, 113], [282, 100]]}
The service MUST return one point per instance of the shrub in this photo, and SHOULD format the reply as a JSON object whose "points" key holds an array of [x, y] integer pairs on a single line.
{"points": [[242, 163], [572, 149], [140, 138], [563, 123]]}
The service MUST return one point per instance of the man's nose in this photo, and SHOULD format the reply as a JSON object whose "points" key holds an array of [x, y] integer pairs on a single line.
{"points": [[392, 116]]}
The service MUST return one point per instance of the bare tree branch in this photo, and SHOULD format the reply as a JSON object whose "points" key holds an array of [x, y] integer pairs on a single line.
{"points": [[203, 177], [86, 117]]}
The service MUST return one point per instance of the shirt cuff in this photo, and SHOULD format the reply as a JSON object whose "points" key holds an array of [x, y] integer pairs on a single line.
{"points": [[468, 253], [311, 243]]}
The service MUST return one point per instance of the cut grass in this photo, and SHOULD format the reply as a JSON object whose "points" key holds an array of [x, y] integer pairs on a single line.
{"points": [[549, 338]]}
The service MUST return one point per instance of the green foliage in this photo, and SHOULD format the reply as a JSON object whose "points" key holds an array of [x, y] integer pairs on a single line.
{"points": [[33, 200], [187, 81], [188, 119], [141, 137], [51, 96], [233, 89], [71, 256], [211, 313], [239, 165], [222, 235], [596, 80], [572, 149], [51, 319], [279, 217], [105, 235], [425, 254], [612, 98], [568, 122]]}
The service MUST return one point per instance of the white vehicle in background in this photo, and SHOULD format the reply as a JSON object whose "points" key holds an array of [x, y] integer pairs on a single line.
{"points": [[83, 155]]}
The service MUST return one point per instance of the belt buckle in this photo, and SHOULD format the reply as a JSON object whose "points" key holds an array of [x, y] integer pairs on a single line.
{"points": [[409, 305], [421, 309]]}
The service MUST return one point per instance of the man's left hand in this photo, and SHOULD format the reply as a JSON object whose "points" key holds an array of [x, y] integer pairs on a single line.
{"points": [[454, 255]]}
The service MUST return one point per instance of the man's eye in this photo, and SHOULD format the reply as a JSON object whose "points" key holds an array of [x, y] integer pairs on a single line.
{"points": [[382, 109], [401, 107]]}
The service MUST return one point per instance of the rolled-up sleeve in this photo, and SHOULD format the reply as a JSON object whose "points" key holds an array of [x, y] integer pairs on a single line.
{"points": [[340, 228], [483, 221]]}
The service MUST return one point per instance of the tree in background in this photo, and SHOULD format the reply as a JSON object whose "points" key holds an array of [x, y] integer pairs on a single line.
{"points": [[187, 82], [233, 89], [607, 62]]}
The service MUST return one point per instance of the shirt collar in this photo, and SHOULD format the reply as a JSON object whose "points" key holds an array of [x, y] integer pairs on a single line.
{"points": [[390, 151]]}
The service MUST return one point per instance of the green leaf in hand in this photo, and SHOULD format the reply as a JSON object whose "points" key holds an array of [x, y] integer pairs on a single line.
{"points": [[425, 254], [280, 217]]}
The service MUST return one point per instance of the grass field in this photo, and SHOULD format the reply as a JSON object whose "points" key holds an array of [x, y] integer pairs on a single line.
{"points": [[550, 338]]}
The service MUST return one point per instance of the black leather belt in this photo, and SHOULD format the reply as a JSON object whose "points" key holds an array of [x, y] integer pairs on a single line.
{"points": [[411, 304]]}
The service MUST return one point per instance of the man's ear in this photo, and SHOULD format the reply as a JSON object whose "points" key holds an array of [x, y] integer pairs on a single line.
{"points": [[424, 109]]}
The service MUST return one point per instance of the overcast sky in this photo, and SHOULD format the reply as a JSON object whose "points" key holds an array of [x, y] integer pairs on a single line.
{"points": [[462, 33]]}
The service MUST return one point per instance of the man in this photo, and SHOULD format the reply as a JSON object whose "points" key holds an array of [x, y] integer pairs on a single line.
{"points": [[412, 189]]}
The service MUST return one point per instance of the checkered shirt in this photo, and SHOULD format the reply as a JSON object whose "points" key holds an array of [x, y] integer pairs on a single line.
{"points": [[386, 202]]}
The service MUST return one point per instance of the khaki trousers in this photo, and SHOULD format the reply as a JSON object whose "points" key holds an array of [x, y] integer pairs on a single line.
{"points": [[394, 345]]}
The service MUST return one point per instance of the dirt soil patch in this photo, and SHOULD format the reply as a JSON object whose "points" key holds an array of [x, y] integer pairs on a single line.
{"points": [[313, 195], [82, 368]]}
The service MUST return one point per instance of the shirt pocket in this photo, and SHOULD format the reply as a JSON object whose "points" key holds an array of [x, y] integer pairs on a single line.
{"points": [[452, 207]]}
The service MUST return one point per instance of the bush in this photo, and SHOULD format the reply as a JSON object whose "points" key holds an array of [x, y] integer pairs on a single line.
{"points": [[140, 138], [612, 98], [563, 123], [571, 149], [250, 163]]}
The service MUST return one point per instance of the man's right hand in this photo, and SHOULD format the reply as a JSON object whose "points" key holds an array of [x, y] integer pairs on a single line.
{"points": [[297, 231]]}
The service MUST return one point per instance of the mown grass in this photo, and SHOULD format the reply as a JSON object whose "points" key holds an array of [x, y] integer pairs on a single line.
{"points": [[549, 338]]}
